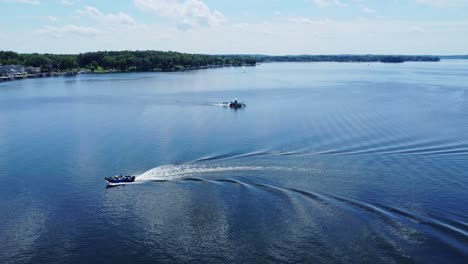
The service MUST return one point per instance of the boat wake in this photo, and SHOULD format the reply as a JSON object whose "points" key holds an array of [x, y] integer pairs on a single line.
{"points": [[191, 171], [226, 104], [174, 172]]}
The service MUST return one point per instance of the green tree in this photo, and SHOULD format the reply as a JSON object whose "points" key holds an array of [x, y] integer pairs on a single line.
{"points": [[67, 63], [109, 62], [122, 63]]}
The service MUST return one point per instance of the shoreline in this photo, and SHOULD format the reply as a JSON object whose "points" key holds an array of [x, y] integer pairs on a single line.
{"points": [[176, 69], [72, 73], [35, 75]]}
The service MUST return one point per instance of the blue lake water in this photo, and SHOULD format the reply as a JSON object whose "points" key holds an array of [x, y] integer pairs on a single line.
{"points": [[328, 163]]}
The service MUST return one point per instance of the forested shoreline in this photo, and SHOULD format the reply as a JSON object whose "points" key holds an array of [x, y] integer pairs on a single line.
{"points": [[166, 61], [345, 58], [137, 61]]}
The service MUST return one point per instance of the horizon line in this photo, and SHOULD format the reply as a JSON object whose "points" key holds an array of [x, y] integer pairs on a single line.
{"points": [[246, 54]]}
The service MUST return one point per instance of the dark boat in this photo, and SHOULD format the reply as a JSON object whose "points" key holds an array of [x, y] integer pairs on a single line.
{"points": [[236, 104], [120, 178]]}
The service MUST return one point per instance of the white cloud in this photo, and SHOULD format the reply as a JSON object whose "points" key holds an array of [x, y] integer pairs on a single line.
{"points": [[275, 37], [67, 29], [118, 18], [368, 10], [187, 13], [107, 26], [52, 18], [67, 2], [240, 25], [416, 29], [443, 3], [288, 33], [327, 3], [31, 2], [307, 21]]}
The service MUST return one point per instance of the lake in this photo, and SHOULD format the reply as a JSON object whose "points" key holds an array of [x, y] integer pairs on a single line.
{"points": [[328, 163]]}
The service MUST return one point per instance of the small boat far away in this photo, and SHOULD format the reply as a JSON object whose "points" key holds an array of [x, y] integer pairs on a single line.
{"points": [[120, 178], [235, 104]]}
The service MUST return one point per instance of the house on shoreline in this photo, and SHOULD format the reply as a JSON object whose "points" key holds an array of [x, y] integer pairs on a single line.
{"points": [[15, 72], [33, 70], [12, 70]]}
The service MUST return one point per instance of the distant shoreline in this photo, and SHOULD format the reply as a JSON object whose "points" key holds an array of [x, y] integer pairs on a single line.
{"points": [[347, 58], [88, 72], [15, 66], [102, 72]]}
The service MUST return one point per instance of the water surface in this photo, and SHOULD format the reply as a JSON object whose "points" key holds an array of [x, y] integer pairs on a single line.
{"points": [[329, 163]]}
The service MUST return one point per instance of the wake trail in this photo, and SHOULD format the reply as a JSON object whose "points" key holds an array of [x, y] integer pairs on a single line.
{"points": [[174, 172]]}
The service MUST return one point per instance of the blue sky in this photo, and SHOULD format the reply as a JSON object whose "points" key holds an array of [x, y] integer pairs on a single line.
{"points": [[230, 26]]}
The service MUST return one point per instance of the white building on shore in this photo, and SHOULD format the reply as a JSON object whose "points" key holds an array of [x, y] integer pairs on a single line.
{"points": [[11, 70]]}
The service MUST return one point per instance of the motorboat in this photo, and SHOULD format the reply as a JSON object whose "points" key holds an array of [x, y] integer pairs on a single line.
{"points": [[236, 105], [120, 178]]}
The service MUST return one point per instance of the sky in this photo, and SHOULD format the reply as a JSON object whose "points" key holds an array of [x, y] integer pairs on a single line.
{"points": [[276, 27]]}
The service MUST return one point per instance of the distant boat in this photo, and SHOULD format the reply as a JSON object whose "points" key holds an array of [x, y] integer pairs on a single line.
{"points": [[120, 178], [236, 105]]}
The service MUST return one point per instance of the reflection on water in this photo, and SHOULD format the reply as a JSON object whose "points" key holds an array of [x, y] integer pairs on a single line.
{"points": [[329, 163]]}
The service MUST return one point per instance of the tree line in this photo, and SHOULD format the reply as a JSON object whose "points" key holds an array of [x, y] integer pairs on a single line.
{"points": [[345, 58], [141, 61], [172, 61]]}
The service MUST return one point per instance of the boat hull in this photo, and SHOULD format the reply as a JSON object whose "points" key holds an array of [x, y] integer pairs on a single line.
{"points": [[236, 106], [123, 179]]}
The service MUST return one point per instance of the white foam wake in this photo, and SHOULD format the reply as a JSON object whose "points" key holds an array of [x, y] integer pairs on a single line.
{"points": [[173, 172]]}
